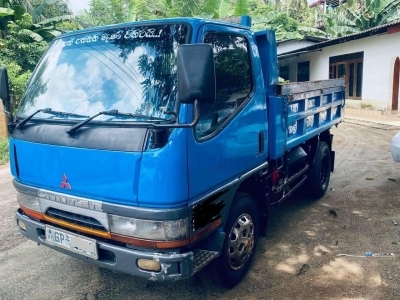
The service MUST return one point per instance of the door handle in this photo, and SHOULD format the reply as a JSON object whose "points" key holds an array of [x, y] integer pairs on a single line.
{"points": [[261, 142]]}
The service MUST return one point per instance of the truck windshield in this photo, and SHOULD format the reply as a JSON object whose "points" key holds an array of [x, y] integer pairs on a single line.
{"points": [[131, 69]]}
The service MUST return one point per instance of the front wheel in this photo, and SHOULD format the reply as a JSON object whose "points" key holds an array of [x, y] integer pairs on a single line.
{"points": [[240, 242], [320, 172]]}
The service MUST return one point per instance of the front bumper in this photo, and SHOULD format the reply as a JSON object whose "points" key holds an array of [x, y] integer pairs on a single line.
{"points": [[174, 266]]}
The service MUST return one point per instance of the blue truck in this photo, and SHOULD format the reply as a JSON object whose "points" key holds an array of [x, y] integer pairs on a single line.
{"points": [[157, 147]]}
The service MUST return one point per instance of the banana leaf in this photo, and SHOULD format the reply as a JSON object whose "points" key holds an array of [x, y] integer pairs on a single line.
{"points": [[241, 8], [223, 7], [5, 12]]}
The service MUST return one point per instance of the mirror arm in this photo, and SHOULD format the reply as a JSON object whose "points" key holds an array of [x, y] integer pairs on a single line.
{"points": [[10, 116], [177, 125], [172, 113], [11, 124]]}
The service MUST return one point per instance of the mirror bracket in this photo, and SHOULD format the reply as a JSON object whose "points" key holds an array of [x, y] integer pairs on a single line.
{"points": [[177, 125]]}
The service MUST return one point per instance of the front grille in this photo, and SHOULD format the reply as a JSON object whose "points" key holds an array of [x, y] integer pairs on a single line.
{"points": [[75, 219]]}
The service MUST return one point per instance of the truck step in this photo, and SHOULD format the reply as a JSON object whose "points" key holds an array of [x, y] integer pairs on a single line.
{"points": [[202, 258]]}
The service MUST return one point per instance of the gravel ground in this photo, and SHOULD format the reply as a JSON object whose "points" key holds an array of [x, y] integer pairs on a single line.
{"points": [[313, 249]]}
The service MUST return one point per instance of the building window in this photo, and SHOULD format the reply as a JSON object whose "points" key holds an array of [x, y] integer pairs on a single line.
{"points": [[303, 71], [233, 81], [284, 72], [349, 67]]}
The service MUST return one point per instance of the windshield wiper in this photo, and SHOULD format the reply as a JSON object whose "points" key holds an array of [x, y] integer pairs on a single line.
{"points": [[48, 111], [115, 113]]}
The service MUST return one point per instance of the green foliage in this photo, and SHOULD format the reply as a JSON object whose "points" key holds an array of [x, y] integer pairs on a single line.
{"points": [[23, 41], [19, 47], [105, 12], [144, 10], [290, 19], [20, 50], [6, 11], [19, 54], [282, 80], [361, 15], [222, 8], [285, 27], [53, 9], [4, 151], [298, 10], [241, 8], [17, 78], [58, 14], [42, 29]]}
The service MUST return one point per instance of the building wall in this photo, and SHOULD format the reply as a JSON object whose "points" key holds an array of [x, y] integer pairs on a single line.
{"points": [[379, 54], [291, 45]]}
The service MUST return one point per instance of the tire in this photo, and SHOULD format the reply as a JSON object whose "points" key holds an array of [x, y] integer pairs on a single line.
{"points": [[320, 172], [240, 243]]}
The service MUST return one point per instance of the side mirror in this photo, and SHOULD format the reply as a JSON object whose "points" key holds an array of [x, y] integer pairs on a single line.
{"points": [[5, 98], [196, 73], [5, 89]]}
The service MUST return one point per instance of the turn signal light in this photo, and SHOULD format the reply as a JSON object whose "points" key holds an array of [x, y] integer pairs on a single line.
{"points": [[21, 225]]}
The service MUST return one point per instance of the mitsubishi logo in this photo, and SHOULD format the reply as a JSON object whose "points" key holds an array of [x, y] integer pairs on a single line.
{"points": [[64, 183]]}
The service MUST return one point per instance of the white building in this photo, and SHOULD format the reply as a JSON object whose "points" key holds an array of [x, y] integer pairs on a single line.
{"points": [[368, 60], [293, 44]]}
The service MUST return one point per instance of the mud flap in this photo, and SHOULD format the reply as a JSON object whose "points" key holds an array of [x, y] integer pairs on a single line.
{"points": [[332, 161]]}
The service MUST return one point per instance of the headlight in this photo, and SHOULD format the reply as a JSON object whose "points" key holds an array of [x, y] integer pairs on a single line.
{"points": [[150, 230], [28, 201]]}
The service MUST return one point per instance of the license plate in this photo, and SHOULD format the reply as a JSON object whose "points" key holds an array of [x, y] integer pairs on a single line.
{"points": [[72, 242]]}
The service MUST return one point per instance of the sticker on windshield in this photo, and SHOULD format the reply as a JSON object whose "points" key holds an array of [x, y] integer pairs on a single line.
{"points": [[148, 33], [143, 33]]}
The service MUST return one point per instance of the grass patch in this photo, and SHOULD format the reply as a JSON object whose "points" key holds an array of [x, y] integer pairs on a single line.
{"points": [[4, 154]]}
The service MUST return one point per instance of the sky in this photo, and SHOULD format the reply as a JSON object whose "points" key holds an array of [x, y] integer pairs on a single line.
{"points": [[77, 5]]}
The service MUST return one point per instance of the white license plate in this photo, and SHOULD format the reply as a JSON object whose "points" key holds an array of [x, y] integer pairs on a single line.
{"points": [[72, 242]]}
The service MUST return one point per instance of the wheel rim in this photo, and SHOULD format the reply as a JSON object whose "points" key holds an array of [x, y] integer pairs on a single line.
{"points": [[241, 241], [324, 170]]}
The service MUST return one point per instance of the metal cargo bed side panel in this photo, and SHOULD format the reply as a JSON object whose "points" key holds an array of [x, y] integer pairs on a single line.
{"points": [[312, 108]]}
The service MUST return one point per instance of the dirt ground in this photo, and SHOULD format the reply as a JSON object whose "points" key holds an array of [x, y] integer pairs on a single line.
{"points": [[313, 249]]}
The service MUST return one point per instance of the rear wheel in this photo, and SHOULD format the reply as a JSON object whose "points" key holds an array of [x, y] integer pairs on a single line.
{"points": [[320, 172], [240, 242]]}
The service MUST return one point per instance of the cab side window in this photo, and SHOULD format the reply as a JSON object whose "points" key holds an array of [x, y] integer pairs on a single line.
{"points": [[233, 79]]}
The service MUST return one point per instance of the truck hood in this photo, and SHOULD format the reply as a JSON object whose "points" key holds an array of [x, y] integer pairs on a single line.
{"points": [[101, 174]]}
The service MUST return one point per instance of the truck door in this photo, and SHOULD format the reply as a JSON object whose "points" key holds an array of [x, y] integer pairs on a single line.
{"points": [[231, 136]]}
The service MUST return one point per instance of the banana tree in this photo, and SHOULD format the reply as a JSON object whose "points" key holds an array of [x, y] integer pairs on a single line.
{"points": [[286, 28], [359, 16], [35, 26]]}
